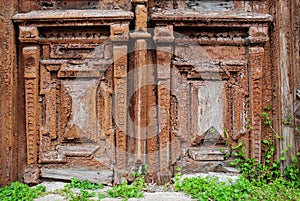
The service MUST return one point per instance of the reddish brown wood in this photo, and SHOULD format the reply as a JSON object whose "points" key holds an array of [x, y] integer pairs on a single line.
{"points": [[88, 95]]}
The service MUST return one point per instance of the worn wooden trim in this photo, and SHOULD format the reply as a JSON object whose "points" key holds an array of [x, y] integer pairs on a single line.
{"points": [[73, 15], [95, 176], [210, 18], [12, 139]]}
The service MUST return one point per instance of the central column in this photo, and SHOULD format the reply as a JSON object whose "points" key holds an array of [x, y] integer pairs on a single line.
{"points": [[139, 74]]}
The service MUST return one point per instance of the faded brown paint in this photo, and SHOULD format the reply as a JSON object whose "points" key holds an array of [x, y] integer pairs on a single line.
{"points": [[12, 147], [286, 37], [99, 101]]}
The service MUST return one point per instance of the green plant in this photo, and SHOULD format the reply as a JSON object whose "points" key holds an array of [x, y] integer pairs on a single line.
{"points": [[252, 170], [126, 191], [266, 119], [268, 107], [75, 183], [21, 192], [287, 120], [292, 171], [101, 196], [242, 189], [84, 186], [67, 192], [269, 149]]}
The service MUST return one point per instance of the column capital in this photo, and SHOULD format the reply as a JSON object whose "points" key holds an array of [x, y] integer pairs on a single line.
{"points": [[28, 34], [163, 34], [139, 1], [258, 34], [119, 32]]}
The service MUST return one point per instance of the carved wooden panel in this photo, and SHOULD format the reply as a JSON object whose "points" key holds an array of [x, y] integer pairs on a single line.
{"points": [[76, 101], [91, 106], [216, 85], [259, 6], [28, 5], [62, 58], [69, 79]]}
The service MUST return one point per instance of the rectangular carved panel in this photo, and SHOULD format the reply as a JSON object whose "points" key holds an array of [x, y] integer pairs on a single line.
{"points": [[31, 66]]}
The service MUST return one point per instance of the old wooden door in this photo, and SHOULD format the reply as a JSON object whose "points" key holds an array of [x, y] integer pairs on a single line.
{"points": [[101, 100], [69, 77]]}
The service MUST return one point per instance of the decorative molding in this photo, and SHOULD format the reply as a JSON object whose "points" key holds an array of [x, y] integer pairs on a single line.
{"points": [[258, 34], [163, 34], [256, 57], [28, 34], [30, 56], [210, 19], [119, 32], [68, 17]]}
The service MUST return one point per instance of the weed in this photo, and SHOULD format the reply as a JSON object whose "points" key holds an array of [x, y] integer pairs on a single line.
{"points": [[292, 171], [75, 183], [21, 192], [258, 181], [211, 189], [266, 118], [287, 120], [84, 186], [126, 191]]}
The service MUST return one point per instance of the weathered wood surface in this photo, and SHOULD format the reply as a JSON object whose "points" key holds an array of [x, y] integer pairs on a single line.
{"points": [[12, 145], [29, 5], [286, 38], [87, 92], [95, 176]]}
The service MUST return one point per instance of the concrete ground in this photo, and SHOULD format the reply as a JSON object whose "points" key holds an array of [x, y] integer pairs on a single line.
{"points": [[158, 195], [155, 196]]}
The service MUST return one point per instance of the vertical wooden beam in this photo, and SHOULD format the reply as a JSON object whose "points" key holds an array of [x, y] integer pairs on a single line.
{"points": [[163, 62], [119, 35], [258, 36], [256, 55], [152, 146], [141, 98], [31, 68], [10, 170], [120, 104], [296, 65], [164, 101], [140, 37], [284, 62]]}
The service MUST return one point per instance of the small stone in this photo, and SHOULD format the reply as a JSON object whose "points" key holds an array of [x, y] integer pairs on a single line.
{"points": [[230, 170]]}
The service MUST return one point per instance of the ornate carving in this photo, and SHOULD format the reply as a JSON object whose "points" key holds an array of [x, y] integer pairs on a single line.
{"points": [[164, 55], [217, 36], [141, 18], [81, 51], [31, 61], [120, 110], [82, 122], [63, 34], [31, 66], [256, 62], [119, 32], [206, 5], [29, 34], [163, 34], [209, 85], [31, 175], [258, 34]]}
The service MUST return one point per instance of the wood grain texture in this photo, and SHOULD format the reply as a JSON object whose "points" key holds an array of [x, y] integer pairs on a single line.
{"points": [[9, 137], [239, 62]]}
